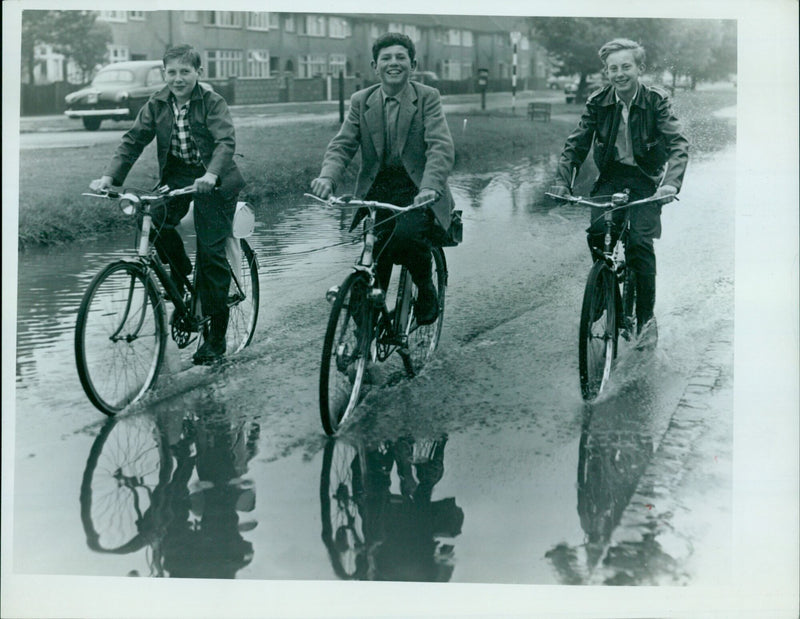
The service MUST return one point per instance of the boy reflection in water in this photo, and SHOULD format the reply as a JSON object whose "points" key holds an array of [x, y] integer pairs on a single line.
{"points": [[399, 531], [203, 539]]}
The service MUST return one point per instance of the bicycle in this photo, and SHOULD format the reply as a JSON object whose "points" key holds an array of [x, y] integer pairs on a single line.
{"points": [[609, 298], [361, 327], [120, 334]]}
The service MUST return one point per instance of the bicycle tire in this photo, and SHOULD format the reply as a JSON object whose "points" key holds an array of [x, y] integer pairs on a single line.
{"points": [[112, 512], [597, 332], [120, 297], [423, 340], [244, 313], [348, 338], [341, 491]]}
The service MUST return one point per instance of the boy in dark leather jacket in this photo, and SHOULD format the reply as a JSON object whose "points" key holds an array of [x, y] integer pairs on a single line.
{"points": [[637, 145]]}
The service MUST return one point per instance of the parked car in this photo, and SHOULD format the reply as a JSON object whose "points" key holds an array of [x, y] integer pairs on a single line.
{"points": [[593, 82], [426, 77], [117, 92]]}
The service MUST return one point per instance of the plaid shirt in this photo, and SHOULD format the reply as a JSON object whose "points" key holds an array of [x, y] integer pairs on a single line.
{"points": [[182, 145]]}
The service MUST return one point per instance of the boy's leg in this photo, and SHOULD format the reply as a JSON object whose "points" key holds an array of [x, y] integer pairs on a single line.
{"points": [[213, 220]]}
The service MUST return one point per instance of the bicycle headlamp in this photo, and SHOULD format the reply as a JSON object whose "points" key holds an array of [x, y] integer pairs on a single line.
{"points": [[128, 203]]}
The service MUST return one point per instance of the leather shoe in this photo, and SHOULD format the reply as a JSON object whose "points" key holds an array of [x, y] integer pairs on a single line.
{"points": [[209, 352], [427, 306]]}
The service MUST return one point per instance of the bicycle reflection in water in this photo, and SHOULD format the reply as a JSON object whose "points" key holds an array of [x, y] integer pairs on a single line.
{"points": [[172, 484], [373, 533], [614, 450]]}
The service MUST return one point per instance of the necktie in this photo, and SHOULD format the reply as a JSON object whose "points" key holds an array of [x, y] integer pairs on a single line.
{"points": [[392, 107]]}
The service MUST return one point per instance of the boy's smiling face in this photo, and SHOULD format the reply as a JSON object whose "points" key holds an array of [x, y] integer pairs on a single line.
{"points": [[623, 72], [181, 79], [393, 67]]}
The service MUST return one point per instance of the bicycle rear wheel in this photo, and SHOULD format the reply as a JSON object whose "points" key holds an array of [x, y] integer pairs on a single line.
{"points": [[348, 340], [120, 336], [244, 296], [423, 340], [597, 333]]}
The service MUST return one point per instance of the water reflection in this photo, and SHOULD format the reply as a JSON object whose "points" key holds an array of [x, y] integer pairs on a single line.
{"points": [[615, 448], [377, 527], [175, 486]]}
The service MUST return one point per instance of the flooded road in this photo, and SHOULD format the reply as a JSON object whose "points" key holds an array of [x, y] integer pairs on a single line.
{"points": [[487, 467]]}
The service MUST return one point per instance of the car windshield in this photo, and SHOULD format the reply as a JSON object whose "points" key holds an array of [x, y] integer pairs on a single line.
{"points": [[113, 76]]}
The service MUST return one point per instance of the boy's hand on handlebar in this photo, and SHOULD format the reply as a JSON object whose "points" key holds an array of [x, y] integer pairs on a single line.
{"points": [[425, 196], [103, 183], [206, 183], [561, 191], [667, 192], [322, 187]]}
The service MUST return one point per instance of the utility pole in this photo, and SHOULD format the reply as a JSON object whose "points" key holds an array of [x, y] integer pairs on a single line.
{"points": [[515, 38]]}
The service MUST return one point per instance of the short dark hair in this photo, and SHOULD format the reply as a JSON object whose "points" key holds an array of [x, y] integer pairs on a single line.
{"points": [[617, 45], [393, 38], [183, 53]]}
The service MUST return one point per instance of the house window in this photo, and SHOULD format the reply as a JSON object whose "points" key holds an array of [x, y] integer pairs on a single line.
{"points": [[337, 63], [136, 15], [339, 28], [314, 25], [312, 65], [466, 38], [118, 53], [288, 23], [453, 37], [258, 20], [524, 43], [451, 70], [118, 16], [223, 62], [224, 19], [376, 30], [258, 63], [466, 69], [412, 32], [191, 16]]}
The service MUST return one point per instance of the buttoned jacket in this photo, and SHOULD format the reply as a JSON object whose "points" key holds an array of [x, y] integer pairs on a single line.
{"points": [[211, 127], [660, 148], [424, 143]]}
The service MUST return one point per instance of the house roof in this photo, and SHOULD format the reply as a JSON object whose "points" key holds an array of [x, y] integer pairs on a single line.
{"points": [[475, 23]]}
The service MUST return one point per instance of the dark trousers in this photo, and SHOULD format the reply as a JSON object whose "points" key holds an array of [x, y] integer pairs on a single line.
{"points": [[405, 239], [645, 226], [213, 222]]}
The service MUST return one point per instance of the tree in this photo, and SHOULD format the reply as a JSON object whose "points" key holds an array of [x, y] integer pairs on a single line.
{"points": [[573, 42], [75, 34]]}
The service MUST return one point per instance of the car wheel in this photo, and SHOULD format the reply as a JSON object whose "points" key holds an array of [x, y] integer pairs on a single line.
{"points": [[91, 123]]}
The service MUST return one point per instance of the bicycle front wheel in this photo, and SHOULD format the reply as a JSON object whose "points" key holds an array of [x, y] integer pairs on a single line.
{"points": [[120, 336], [423, 340], [344, 355], [597, 333], [244, 296]]}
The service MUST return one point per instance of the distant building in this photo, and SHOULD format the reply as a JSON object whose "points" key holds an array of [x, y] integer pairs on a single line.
{"points": [[247, 44]]}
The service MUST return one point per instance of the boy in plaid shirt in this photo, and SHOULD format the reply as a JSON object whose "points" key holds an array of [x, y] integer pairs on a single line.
{"points": [[195, 141]]}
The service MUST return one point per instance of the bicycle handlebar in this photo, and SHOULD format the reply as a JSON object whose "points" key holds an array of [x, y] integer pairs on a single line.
{"points": [[347, 201], [136, 195], [618, 200]]}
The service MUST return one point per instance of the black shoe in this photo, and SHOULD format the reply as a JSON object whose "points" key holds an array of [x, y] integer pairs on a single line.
{"points": [[211, 351], [426, 308], [214, 347]]}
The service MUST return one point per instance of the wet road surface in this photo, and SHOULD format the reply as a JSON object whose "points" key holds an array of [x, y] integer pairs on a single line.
{"points": [[487, 467]]}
